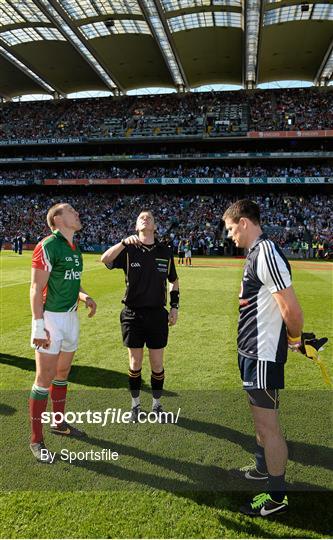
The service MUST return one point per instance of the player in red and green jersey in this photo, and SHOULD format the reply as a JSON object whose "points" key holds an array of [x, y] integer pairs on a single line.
{"points": [[55, 293]]}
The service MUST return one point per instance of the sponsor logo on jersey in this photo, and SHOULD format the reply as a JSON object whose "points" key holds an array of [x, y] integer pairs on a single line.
{"points": [[68, 259], [135, 265], [72, 274], [162, 265], [247, 383]]}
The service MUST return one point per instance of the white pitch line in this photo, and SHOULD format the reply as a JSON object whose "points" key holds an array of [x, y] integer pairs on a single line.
{"points": [[25, 282], [14, 284]]}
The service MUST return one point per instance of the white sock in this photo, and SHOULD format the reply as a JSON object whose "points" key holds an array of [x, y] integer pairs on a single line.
{"points": [[156, 402], [135, 401]]}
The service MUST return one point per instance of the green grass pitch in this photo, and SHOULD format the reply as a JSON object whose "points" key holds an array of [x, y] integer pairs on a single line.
{"points": [[169, 481]]}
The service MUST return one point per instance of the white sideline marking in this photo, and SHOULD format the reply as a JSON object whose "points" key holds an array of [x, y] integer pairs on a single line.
{"points": [[25, 282], [13, 284]]}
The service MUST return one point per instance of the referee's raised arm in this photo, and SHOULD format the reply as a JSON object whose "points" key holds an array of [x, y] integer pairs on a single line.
{"points": [[112, 253]]}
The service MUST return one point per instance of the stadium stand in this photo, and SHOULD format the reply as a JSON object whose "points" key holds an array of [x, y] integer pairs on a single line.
{"points": [[209, 114], [108, 216], [185, 122], [203, 170], [292, 219]]}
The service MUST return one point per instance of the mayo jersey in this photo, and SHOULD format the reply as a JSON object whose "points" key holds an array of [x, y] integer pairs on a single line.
{"points": [[54, 254], [262, 333]]}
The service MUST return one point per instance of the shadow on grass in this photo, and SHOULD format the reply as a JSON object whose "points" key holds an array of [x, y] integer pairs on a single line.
{"points": [[6, 410], [228, 493], [300, 452], [201, 476], [206, 484], [304, 453], [83, 375], [307, 511], [197, 476]]}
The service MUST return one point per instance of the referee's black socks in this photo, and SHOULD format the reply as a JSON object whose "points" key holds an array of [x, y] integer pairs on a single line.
{"points": [[157, 381], [277, 487], [134, 383]]}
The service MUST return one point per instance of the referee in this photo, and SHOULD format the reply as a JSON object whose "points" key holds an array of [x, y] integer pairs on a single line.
{"points": [[270, 320], [147, 265]]}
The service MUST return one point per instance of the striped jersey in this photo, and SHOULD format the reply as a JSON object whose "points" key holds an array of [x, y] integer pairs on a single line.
{"points": [[64, 261], [262, 333]]}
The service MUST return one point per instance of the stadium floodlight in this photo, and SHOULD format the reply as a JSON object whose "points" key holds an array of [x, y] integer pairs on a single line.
{"points": [[159, 28], [27, 71], [252, 29], [63, 22]]}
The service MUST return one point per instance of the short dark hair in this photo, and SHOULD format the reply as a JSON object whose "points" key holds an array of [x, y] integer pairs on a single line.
{"points": [[243, 208]]}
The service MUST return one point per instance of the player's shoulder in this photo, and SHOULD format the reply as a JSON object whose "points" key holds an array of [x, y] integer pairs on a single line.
{"points": [[259, 251], [164, 246], [273, 247], [129, 249], [45, 253], [272, 253], [265, 244], [47, 241]]}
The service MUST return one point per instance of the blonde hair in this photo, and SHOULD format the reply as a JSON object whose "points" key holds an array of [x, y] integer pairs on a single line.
{"points": [[55, 210]]}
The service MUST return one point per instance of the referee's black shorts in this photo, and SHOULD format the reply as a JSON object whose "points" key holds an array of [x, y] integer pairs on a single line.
{"points": [[262, 381], [144, 326]]}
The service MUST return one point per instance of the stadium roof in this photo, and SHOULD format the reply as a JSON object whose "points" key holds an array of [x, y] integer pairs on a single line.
{"points": [[64, 46]]}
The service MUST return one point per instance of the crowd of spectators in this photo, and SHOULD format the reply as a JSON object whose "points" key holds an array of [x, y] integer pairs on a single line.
{"points": [[91, 116], [291, 109], [185, 169], [108, 216], [204, 113], [293, 221]]}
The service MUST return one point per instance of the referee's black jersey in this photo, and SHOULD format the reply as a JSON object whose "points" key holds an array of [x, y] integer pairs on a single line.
{"points": [[262, 333], [147, 269]]}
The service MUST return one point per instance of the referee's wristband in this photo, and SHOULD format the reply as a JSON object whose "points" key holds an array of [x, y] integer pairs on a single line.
{"points": [[174, 299]]}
